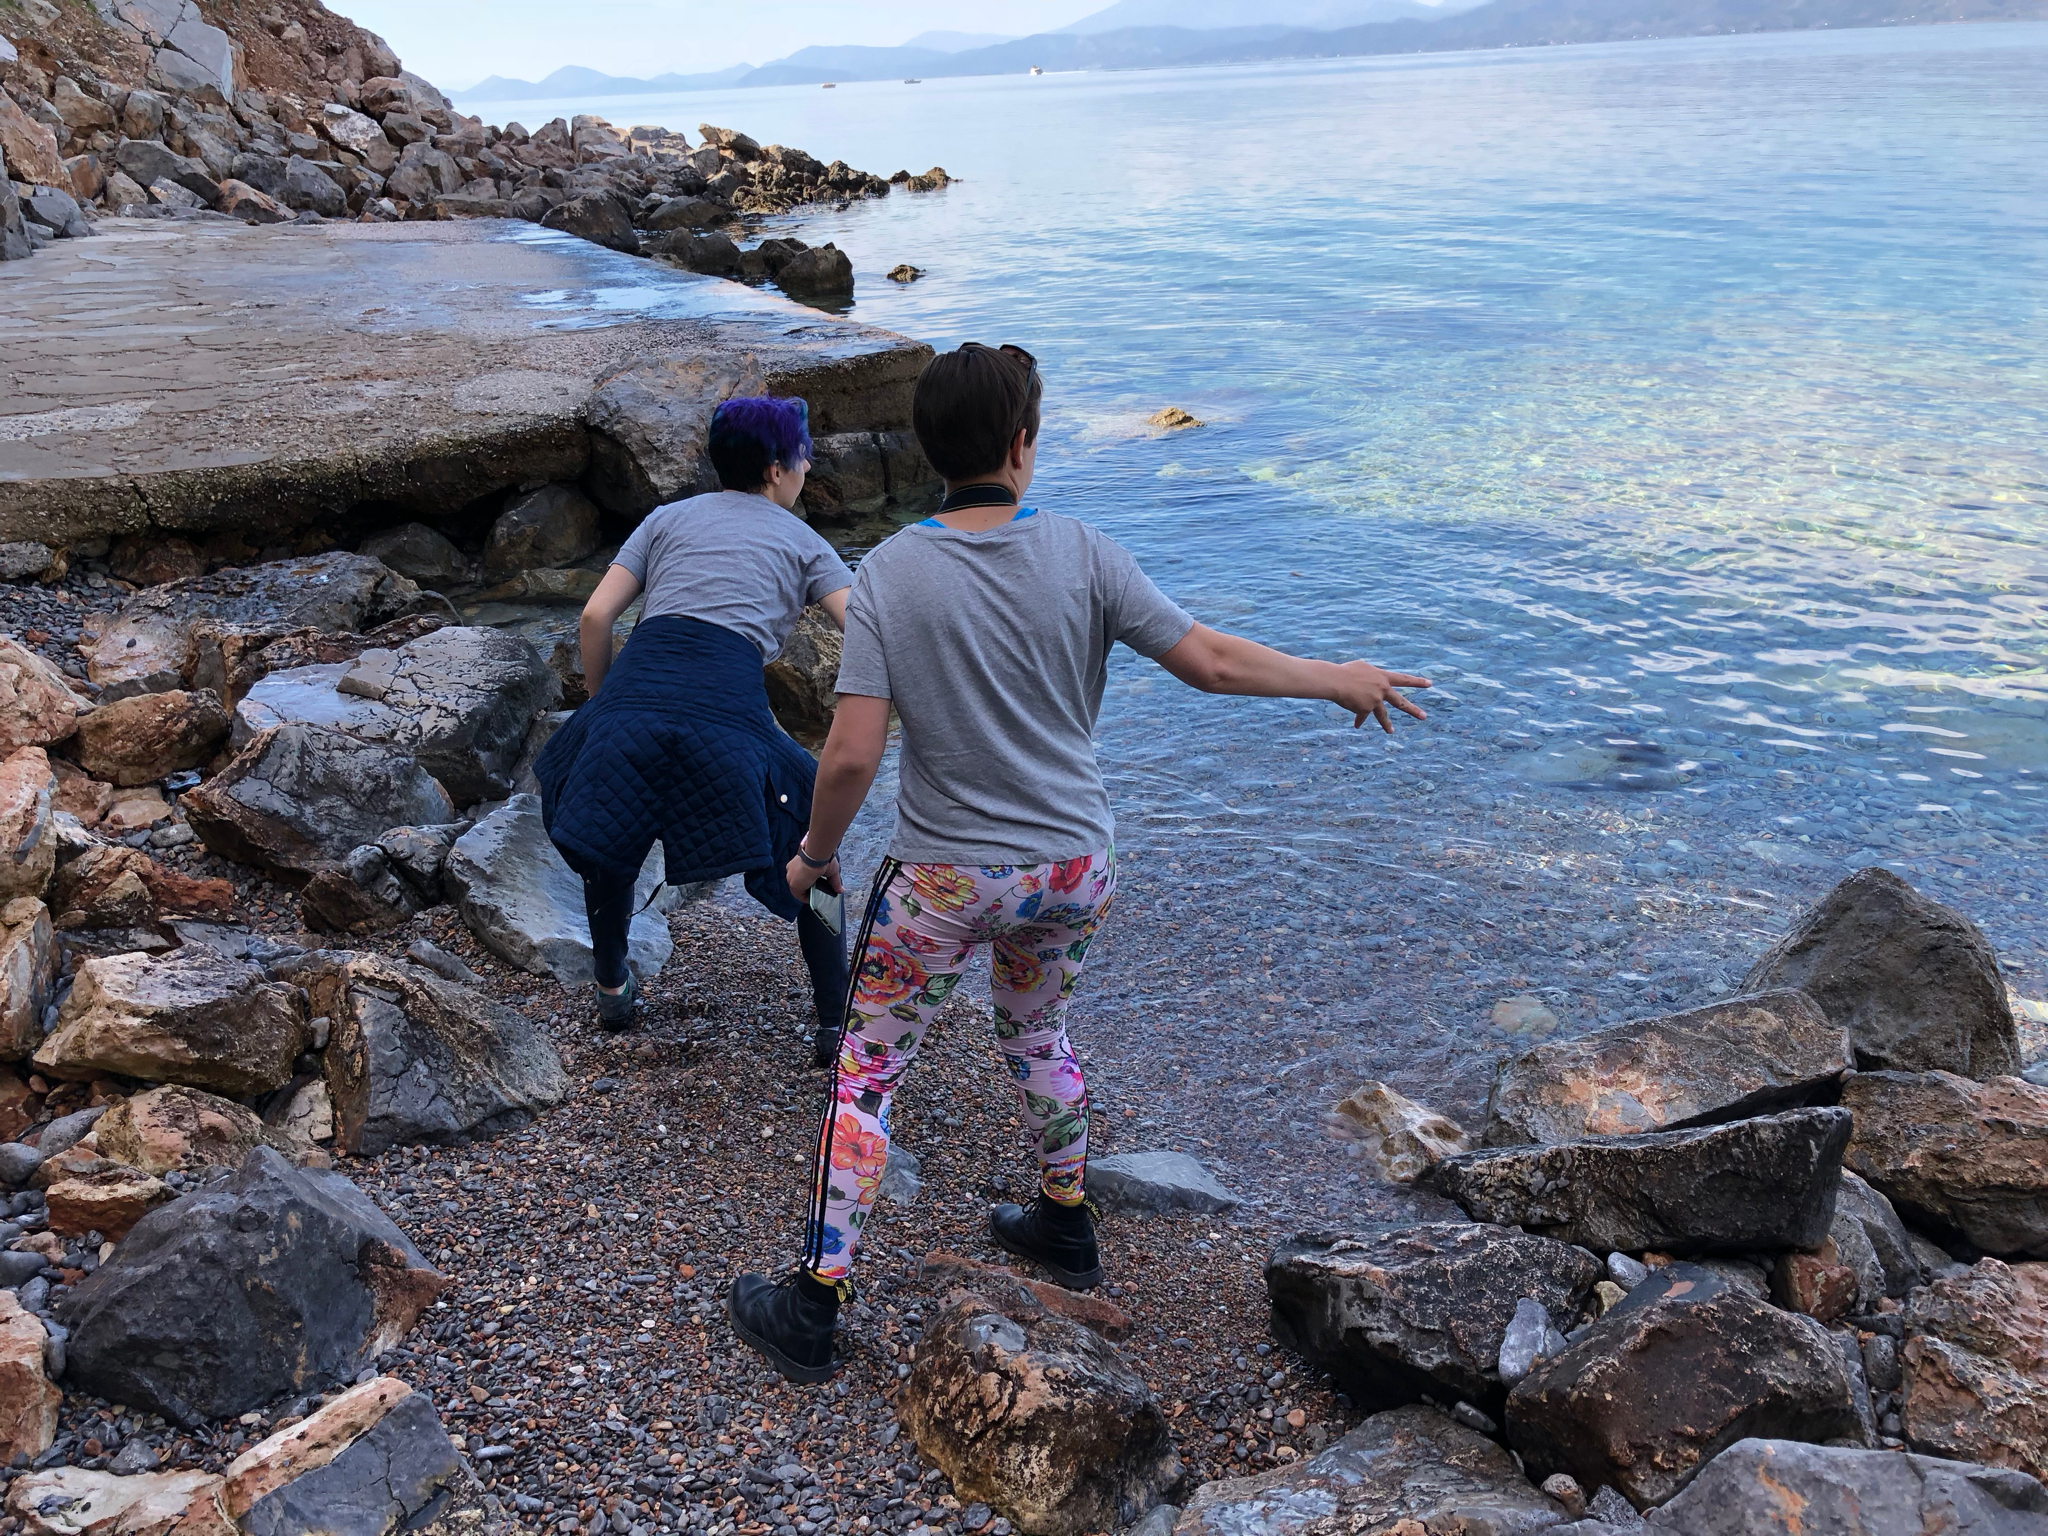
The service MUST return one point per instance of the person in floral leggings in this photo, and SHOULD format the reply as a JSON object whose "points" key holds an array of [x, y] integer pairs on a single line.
{"points": [[986, 629]]}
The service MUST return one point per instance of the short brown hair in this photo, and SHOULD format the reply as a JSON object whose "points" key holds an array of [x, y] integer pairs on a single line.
{"points": [[970, 405]]}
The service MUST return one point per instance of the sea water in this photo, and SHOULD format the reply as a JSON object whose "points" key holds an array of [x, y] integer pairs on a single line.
{"points": [[1680, 408]]}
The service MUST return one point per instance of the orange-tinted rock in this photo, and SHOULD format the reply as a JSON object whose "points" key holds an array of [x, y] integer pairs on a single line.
{"points": [[134, 809], [28, 973], [28, 853], [1817, 1284], [142, 739], [312, 1442], [80, 793], [109, 1201], [28, 1398], [1976, 1367], [86, 1503], [175, 1127], [1097, 1312], [118, 887], [17, 1105], [1746, 1056], [37, 706]]}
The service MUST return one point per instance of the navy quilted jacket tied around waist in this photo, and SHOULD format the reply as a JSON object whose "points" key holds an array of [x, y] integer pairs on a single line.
{"points": [[680, 745]]}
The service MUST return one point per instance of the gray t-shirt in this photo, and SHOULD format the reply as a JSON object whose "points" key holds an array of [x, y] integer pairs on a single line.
{"points": [[994, 648], [733, 559]]}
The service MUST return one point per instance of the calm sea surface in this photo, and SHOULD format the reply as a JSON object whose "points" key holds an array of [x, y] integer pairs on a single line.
{"points": [[1680, 407]]}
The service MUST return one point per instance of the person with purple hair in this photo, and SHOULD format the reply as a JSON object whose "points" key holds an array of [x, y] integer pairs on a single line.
{"points": [[677, 743]]}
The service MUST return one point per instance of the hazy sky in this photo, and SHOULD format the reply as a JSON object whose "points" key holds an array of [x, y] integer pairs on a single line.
{"points": [[456, 43]]}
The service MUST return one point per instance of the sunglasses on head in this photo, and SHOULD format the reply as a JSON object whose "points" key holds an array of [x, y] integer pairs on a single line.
{"points": [[1008, 349]]}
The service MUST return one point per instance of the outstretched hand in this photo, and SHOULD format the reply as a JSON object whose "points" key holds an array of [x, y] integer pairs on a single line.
{"points": [[1367, 691]]}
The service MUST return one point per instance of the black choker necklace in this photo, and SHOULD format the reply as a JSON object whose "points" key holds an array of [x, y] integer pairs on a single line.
{"points": [[978, 496]]}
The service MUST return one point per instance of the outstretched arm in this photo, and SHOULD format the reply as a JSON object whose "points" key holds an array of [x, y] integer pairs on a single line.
{"points": [[614, 595], [1215, 662], [846, 770]]}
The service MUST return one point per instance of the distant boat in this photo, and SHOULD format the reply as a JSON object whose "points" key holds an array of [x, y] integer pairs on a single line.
{"points": [[913, 82], [830, 86], [1036, 70]]}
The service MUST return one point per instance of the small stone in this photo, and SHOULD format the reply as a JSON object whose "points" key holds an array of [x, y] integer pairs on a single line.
{"points": [[1609, 1294], [1172, 418], [1472, 1418], [1626, 1272], [904, 272], [1562, 1487], [1524, 1340]]}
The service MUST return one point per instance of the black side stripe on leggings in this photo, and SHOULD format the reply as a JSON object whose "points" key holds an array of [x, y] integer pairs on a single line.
{"points": [[814, 1237]]}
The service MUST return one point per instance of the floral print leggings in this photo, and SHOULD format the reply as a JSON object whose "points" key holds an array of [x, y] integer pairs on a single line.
{"points": [[922, 923]]}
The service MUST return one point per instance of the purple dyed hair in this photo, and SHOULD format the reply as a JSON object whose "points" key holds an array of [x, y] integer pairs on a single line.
{"points": [[749, 436]]}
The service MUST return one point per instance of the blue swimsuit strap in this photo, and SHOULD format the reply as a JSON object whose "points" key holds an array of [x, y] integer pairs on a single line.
{"points": [[1017, 517]]}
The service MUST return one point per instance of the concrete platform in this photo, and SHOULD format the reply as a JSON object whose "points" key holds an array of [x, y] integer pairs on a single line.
{"points": [[200, 376]]}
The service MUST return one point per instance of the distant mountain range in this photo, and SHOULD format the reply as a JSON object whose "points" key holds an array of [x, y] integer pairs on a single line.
{"points": [[1390, 26]]}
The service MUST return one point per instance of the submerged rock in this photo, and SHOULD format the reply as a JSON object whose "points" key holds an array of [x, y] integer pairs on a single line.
{"points": [[526, 904], [1958, 1158], [1915, 983], [1402, 1138], [1784, 1485], [1679, 1371], [1408, 1471], [279, 1280], [1421, 1312], [1764, 1183], [1040, 1418], [1728, 1061], [1156, 1182]]}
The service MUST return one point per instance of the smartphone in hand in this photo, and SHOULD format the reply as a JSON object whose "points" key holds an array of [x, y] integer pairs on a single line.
{"points": [[830, 907]]}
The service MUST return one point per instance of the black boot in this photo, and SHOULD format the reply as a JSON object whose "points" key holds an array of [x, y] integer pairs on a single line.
{"points": [[789, 1321], [1060, 1239]]}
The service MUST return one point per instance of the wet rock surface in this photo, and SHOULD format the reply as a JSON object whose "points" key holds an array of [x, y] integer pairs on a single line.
{"points": [[1156, 1182], [1768, 1182], [1422, 1312], [1914, 982]]}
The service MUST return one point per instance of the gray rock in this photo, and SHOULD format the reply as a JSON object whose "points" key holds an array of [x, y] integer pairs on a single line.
{"points": [[1626, 1272], [1740, 1275], [266, 173], [448, 967], [420, 854], [279, 1280], [1156, 1182], [18, 1162], [822, 272], [1881, 1363], [544, 529], [57, 212], [526, 904], [1859, 1388], [1915, 983], [64, 1134], [2037, 1074], [1422, 1312], [419, 554], [424, 173], [599, 217], [710, 252], [309, 188], [1159, 1522], [397, 1476], [297, 797], [680, 214], [134, 1458], [1409, 1470], [650, 427], [413, 1058], [901, 1182], [1526, 1337], [1871, 1239], [14, 241], [1783, 1485], [362, 894], [17, 1266], [147, 161], [1765, 1183], [20, 558]]}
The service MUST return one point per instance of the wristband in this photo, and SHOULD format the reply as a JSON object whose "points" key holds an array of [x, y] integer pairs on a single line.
{"points": [[811, 863]]}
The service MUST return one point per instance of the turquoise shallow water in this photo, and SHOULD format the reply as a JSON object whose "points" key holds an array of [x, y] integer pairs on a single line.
{"points": [[1679, 406]]}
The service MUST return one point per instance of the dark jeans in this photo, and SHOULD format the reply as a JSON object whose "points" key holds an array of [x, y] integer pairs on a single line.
{"points": [[609, 903]]}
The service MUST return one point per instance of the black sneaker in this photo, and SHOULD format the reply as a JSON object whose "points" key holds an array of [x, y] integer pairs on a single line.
{"points": [[1060, 1239], [790, 1321], [615, 1010]]}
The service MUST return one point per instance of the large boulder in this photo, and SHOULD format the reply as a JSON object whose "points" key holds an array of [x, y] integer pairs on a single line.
{"points": [[298, 796], [28, 847], [600, 217], [1976, 1367], [1037, 1417], [460, 699], [381, 884], [193, 633], [1674, 1374], [1872, 1241], [174, 1128], [193, 1017], [821, 273], [1764, 1183], [1915, 983], [1411, 1472], [76, 1501], [414, 1058], [28, 1398], [108, 1199], [111, 886], [1961, 1159], [420, 554], [1728, 1061], [650, 428], [1395, 1316], [28, 975], [526, 904], [37, 706], [803, 680], [554, 526], [856, 475], [147, 737], [278, 1279], [1765, 1485]]}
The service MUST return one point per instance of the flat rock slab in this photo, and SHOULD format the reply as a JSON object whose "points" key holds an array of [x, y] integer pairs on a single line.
{"points": [[1765, 1183], [1395, 1316], [1728, 1061], [208, 375], [1958, 1158], [1411, 1470], [1156, 1182], [1783, 1485]]}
